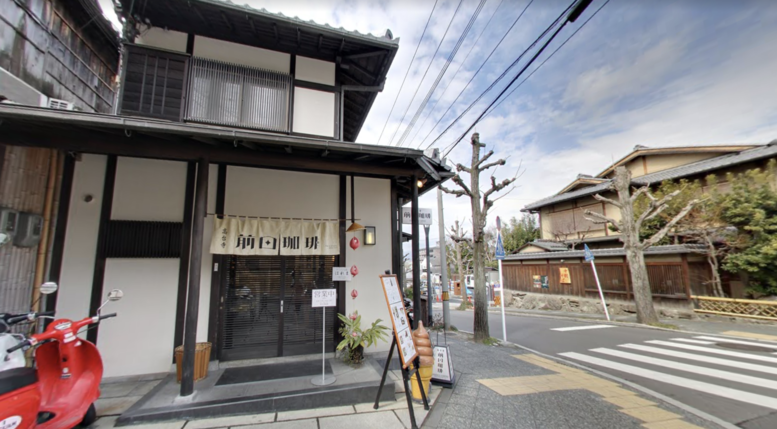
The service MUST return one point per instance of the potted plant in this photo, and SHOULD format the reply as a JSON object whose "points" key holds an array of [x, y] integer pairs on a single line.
{"points": [[356, 339]]}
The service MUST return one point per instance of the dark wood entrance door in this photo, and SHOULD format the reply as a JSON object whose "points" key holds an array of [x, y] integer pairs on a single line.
{"points": [[267, 306]]}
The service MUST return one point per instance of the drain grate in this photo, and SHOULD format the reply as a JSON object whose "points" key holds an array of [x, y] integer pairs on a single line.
{"points": [[745, 347]]}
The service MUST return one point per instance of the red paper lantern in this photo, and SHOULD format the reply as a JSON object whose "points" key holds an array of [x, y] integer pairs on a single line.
{"points": [[354, 270], [354, 243], [354, 294]]}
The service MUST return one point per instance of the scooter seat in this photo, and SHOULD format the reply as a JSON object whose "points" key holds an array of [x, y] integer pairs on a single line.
{"points": [[16, 378]]}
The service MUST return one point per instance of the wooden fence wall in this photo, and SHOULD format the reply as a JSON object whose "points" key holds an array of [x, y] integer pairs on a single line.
{"points": [[668, 280]]}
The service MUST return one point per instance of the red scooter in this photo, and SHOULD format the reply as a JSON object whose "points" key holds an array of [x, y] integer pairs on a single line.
{"points": [[60, 392]]}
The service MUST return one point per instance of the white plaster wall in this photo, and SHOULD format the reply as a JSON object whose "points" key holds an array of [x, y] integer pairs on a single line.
{"points": [[164, 39], [220, 50], [276, 193], [373, 208], [140, 340], [311, 70], [75, 284], [314, 112]]}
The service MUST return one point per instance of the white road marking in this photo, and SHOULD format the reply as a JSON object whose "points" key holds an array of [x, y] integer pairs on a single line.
{"points": [[709, 388], [688, 340], [747, 343], [701, 358], [693, 369], [714, 351], [580, 328]]}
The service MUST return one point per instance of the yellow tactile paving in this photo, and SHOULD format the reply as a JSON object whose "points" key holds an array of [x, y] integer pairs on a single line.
{"points": [[567, 378], [651, 414], [670, 424], [750, 335]]}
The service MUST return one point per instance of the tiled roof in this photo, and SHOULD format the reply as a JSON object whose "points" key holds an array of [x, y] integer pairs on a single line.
{"points": [[307, 23], [699, 167], [709, 165], [602, 253], [551, 246]]}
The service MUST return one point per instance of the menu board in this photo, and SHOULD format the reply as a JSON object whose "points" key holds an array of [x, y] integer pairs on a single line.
{"points": [[399, 319]]}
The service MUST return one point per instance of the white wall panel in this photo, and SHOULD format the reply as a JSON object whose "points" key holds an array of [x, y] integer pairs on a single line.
{"points": [[75, 283], [373, 208], [316, 71], [140, 339], [314, 112], [149, 189], [220, 50], [165, 39]]}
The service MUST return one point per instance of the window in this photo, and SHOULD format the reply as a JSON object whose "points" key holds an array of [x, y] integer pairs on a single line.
{"points": [[229, 94]]}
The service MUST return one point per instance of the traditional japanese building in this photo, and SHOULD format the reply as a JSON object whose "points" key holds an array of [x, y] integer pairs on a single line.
{"points": [[237, 119]]}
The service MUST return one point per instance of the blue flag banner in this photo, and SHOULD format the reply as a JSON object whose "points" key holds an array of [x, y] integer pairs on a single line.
{"points": [[500, 250], [589, 255]]}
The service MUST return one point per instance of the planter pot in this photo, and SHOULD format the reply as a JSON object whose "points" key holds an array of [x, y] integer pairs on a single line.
{"points": [[201, 359], [356, 355]]}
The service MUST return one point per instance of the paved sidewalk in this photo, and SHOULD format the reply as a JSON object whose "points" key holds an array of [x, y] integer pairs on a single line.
{"points": [[502, 386], [118, 397]]}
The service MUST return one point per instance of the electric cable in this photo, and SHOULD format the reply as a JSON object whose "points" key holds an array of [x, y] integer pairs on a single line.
{"points": [[428, 20], [425, 72], [442, 72], [475, 74]]}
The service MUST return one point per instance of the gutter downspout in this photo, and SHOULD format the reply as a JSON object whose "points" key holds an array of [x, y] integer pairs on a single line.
{"points": [[43, 245]]}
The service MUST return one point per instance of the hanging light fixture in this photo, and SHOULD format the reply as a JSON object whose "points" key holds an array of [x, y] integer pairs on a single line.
{"points": [[354, 225]]}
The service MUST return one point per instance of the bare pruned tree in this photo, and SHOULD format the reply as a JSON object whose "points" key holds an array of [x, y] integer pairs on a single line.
{"points": [[481, 203], [629, 227]]}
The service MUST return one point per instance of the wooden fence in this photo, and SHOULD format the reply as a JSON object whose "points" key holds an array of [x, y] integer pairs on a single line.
{"points": [[736, 307], [668, 280]]}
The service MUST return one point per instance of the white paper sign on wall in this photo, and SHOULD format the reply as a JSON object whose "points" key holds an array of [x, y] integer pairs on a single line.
{"points": [[341, 274], [424, 216], [324, 298], [443, 365]]}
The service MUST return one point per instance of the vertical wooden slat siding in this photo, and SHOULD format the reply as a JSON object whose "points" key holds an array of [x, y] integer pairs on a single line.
{"points": [[23, 177]]}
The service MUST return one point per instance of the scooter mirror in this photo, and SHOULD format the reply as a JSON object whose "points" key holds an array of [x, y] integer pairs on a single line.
{"points": [[115, 295], [48, 288]]}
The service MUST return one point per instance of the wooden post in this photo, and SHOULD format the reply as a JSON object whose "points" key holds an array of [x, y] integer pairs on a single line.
{"points": [[416, 256], [686, 275], [195, 266]]}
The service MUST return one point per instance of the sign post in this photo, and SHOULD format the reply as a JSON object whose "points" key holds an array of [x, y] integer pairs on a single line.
{"points": [[589, 256], [324, 298], [500, 255]]}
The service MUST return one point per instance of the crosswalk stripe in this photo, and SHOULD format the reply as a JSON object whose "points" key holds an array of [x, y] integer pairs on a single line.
{"points": [[580, 328], [688, 340], [709, 388], [747, 343], [701, 370], [701, 358], [714, 351]]}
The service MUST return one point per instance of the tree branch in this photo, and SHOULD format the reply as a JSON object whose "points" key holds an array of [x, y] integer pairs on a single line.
{"points": [[607, 200], [482, 160], [639, 192], [665, 230], [457, 193], [496, 187], [602, 219], [654, 208], [460, 168], [493, 164]]}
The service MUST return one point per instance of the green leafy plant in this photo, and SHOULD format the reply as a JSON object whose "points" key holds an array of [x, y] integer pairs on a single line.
{"points": [[464, 305], [408, 293], [356, 339]]}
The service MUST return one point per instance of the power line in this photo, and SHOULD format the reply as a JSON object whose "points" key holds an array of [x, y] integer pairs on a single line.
{"points": [[441, 73], [428, 20], [445, 91], [504, 73], [427, 70], [546, 59], [475, 74], [573, 15]]}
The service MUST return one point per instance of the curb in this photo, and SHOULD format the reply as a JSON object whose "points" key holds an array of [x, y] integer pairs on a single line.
{"points": [[687, 408]]}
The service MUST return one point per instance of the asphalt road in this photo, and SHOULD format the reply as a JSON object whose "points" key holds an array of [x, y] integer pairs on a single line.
{"points": [[723, 379]]}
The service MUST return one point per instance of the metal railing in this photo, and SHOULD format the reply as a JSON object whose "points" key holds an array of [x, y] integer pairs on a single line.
{"points": [[750, 308], [234, 95]]}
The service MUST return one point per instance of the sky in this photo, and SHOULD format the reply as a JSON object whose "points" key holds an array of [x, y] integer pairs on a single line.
{"points": [[653, 73]]}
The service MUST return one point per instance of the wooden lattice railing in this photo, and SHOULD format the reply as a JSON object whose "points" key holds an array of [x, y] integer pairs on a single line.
{"points": [[736, 307]]}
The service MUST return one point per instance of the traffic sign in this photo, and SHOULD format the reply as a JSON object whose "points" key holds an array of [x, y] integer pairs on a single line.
{"points": [[589, 255], [500, 250]]}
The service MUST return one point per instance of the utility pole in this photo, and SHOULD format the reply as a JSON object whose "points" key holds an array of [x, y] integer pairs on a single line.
{"points": [[429, 287], [446, 312]]}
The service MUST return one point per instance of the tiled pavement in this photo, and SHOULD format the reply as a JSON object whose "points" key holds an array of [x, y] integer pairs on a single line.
{"points": [[503, 387]]}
